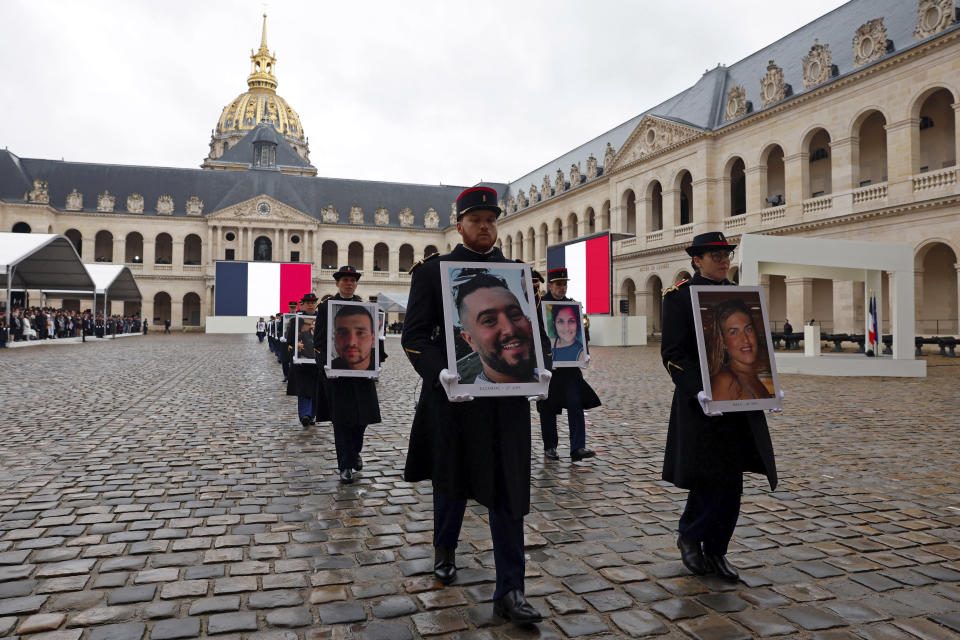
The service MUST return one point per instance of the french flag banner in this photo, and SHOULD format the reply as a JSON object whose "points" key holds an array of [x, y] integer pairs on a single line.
{"points": [[588, 266], [259, 288]]}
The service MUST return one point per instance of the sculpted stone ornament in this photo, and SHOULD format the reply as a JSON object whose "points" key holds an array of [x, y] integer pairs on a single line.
{"points": [[870, 42], [194, 206], [522, 201], [575, 174], [511, 205], [547, 189], [772, 87], [356, 215], [817, 65], [736, 103], [933, 16], [431, 219], [534, 194], [381, 217], [559, 183], [406, 217], [74, 201], [135, 203], [330, 214], [608, 157], [453, 212], [591, 167], [165, 205], [105, 202], [40, 194]]}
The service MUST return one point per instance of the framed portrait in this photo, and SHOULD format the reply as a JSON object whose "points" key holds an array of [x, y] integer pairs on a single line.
{"points": [[492, 329], [303, 330], [353, 347], [382, 323], [563, 323], [287, 319], [736, 349]]}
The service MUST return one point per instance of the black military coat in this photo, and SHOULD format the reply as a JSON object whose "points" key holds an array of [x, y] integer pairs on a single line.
{"points": [[556, 398], [301, 378], [478, 449], [705, 452], [352, 402]]}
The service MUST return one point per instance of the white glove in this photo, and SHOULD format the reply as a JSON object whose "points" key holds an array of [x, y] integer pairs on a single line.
{"points": [[329, 372], [447, 380], [587, 359], [703, 399], [780, 395], [545, 376], [283, 339]]}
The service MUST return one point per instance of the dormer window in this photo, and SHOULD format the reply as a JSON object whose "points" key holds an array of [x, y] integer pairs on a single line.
{"points": [[265, 155]]}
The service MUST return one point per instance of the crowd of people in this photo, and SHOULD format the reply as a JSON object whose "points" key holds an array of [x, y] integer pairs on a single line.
{"points": [[49, 323], [479, 448]]}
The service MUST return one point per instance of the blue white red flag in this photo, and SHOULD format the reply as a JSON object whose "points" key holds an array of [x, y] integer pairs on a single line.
{"points": [[873, 334]]}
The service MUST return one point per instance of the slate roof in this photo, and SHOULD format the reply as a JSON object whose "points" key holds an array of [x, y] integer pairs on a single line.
{"points": [[702, 105], [220, 189], [242, 152]]}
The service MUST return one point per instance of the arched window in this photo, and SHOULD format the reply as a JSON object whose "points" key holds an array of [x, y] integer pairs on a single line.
{"points": [[406, 257], [21, 227], [133, 249], [508, 247], [738, 188], [935, 136], [655, 296], [531, 249], [605, 216], [355, 255], [775, 189], [591, 220], [192, 249], [937, 295], [381, 257], [262, 249], [518, 246], [103, 246], [76, 239], [163, 249], [628, 292], [429, 250], [191, 310], [819, 174], [161, 308], [655, 206], [872, 150], [557, 231], [572, 224], [630, 206], [544, 238], [685, 208], [328, 255]]}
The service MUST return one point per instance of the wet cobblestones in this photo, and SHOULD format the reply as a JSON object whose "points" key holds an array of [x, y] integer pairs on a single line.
{"points": [[161, 487]]}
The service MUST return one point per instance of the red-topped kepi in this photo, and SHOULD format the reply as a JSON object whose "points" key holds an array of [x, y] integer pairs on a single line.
{"points": [[476, 198], [710, 241], [557, 275], [346, 270]]}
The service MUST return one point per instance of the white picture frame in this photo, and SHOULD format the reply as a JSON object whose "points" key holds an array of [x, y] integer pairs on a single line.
{"points": [[549, 310], [287, 319], [471, 348], [304, 324], [368, 352], [739, 373], [382, 324]]}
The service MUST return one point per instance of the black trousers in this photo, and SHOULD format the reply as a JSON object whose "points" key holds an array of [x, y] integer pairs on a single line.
{"points": [[505, 531], [710, 517], [575, 420], [349, 442]]}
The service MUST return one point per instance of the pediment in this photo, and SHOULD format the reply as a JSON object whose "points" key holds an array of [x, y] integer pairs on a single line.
{"points": [[253, 210], [652, 136]]}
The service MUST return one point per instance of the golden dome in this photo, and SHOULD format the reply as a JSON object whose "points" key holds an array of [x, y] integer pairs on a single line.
{"points": [[259, 103]]}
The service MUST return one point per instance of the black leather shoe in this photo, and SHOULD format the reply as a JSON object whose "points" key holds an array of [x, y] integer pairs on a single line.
{"points": [[444, 564], [305, 421], [346, 476], [551, 454], [579, 454], [514, 607], [358, 464], [692, 555], [719, 565]]}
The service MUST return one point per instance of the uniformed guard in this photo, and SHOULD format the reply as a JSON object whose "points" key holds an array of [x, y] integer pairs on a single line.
{"points": [[706, 453], [568, 390], [301, 377], [477, 449], [537, 279], [351, 404], [261, 329], [284, 355], [268, 328]]}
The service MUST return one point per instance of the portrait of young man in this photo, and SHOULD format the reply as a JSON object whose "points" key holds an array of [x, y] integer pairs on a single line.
{"points": [[354, 338]]}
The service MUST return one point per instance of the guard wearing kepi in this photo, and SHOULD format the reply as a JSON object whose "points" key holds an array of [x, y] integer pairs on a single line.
{"points": [[351, 403], [706, 454], [478, 449], [568, 390], [301, 378]]}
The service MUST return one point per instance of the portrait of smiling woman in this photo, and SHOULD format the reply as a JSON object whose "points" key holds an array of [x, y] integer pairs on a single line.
{"points": [[736, 356], [562, 321]]}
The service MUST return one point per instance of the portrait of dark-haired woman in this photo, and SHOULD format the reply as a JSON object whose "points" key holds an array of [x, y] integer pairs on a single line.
{"points": [[736, 354]]}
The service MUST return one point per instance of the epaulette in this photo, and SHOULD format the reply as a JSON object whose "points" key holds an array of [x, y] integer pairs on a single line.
{"points": [[420, 262], [674, 287]]}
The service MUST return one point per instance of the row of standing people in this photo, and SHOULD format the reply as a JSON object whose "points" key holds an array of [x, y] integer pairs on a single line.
{"points": [[48, 323]]}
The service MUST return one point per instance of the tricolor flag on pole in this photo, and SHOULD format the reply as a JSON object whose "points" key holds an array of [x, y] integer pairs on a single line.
{"points": [[872, 333]]}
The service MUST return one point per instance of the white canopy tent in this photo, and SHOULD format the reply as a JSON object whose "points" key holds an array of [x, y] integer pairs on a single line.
{"points": [[112, 281], [40, 261], [393, 302]]}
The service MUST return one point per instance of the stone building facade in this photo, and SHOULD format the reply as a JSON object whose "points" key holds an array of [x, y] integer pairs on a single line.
{"points": [[846, 128]]}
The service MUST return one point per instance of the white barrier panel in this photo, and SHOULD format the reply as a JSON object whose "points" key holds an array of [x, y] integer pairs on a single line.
{"points": [[618, 331], [233, 324]]}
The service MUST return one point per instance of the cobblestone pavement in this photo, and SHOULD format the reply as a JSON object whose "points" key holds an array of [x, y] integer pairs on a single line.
{"points": [[161, 487]]}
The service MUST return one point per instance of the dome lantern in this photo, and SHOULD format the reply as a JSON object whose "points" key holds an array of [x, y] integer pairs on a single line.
{"points": [[262, 64]]}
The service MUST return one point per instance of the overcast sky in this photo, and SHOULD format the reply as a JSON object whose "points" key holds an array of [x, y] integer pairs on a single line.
{"points": [[428, 92]]}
